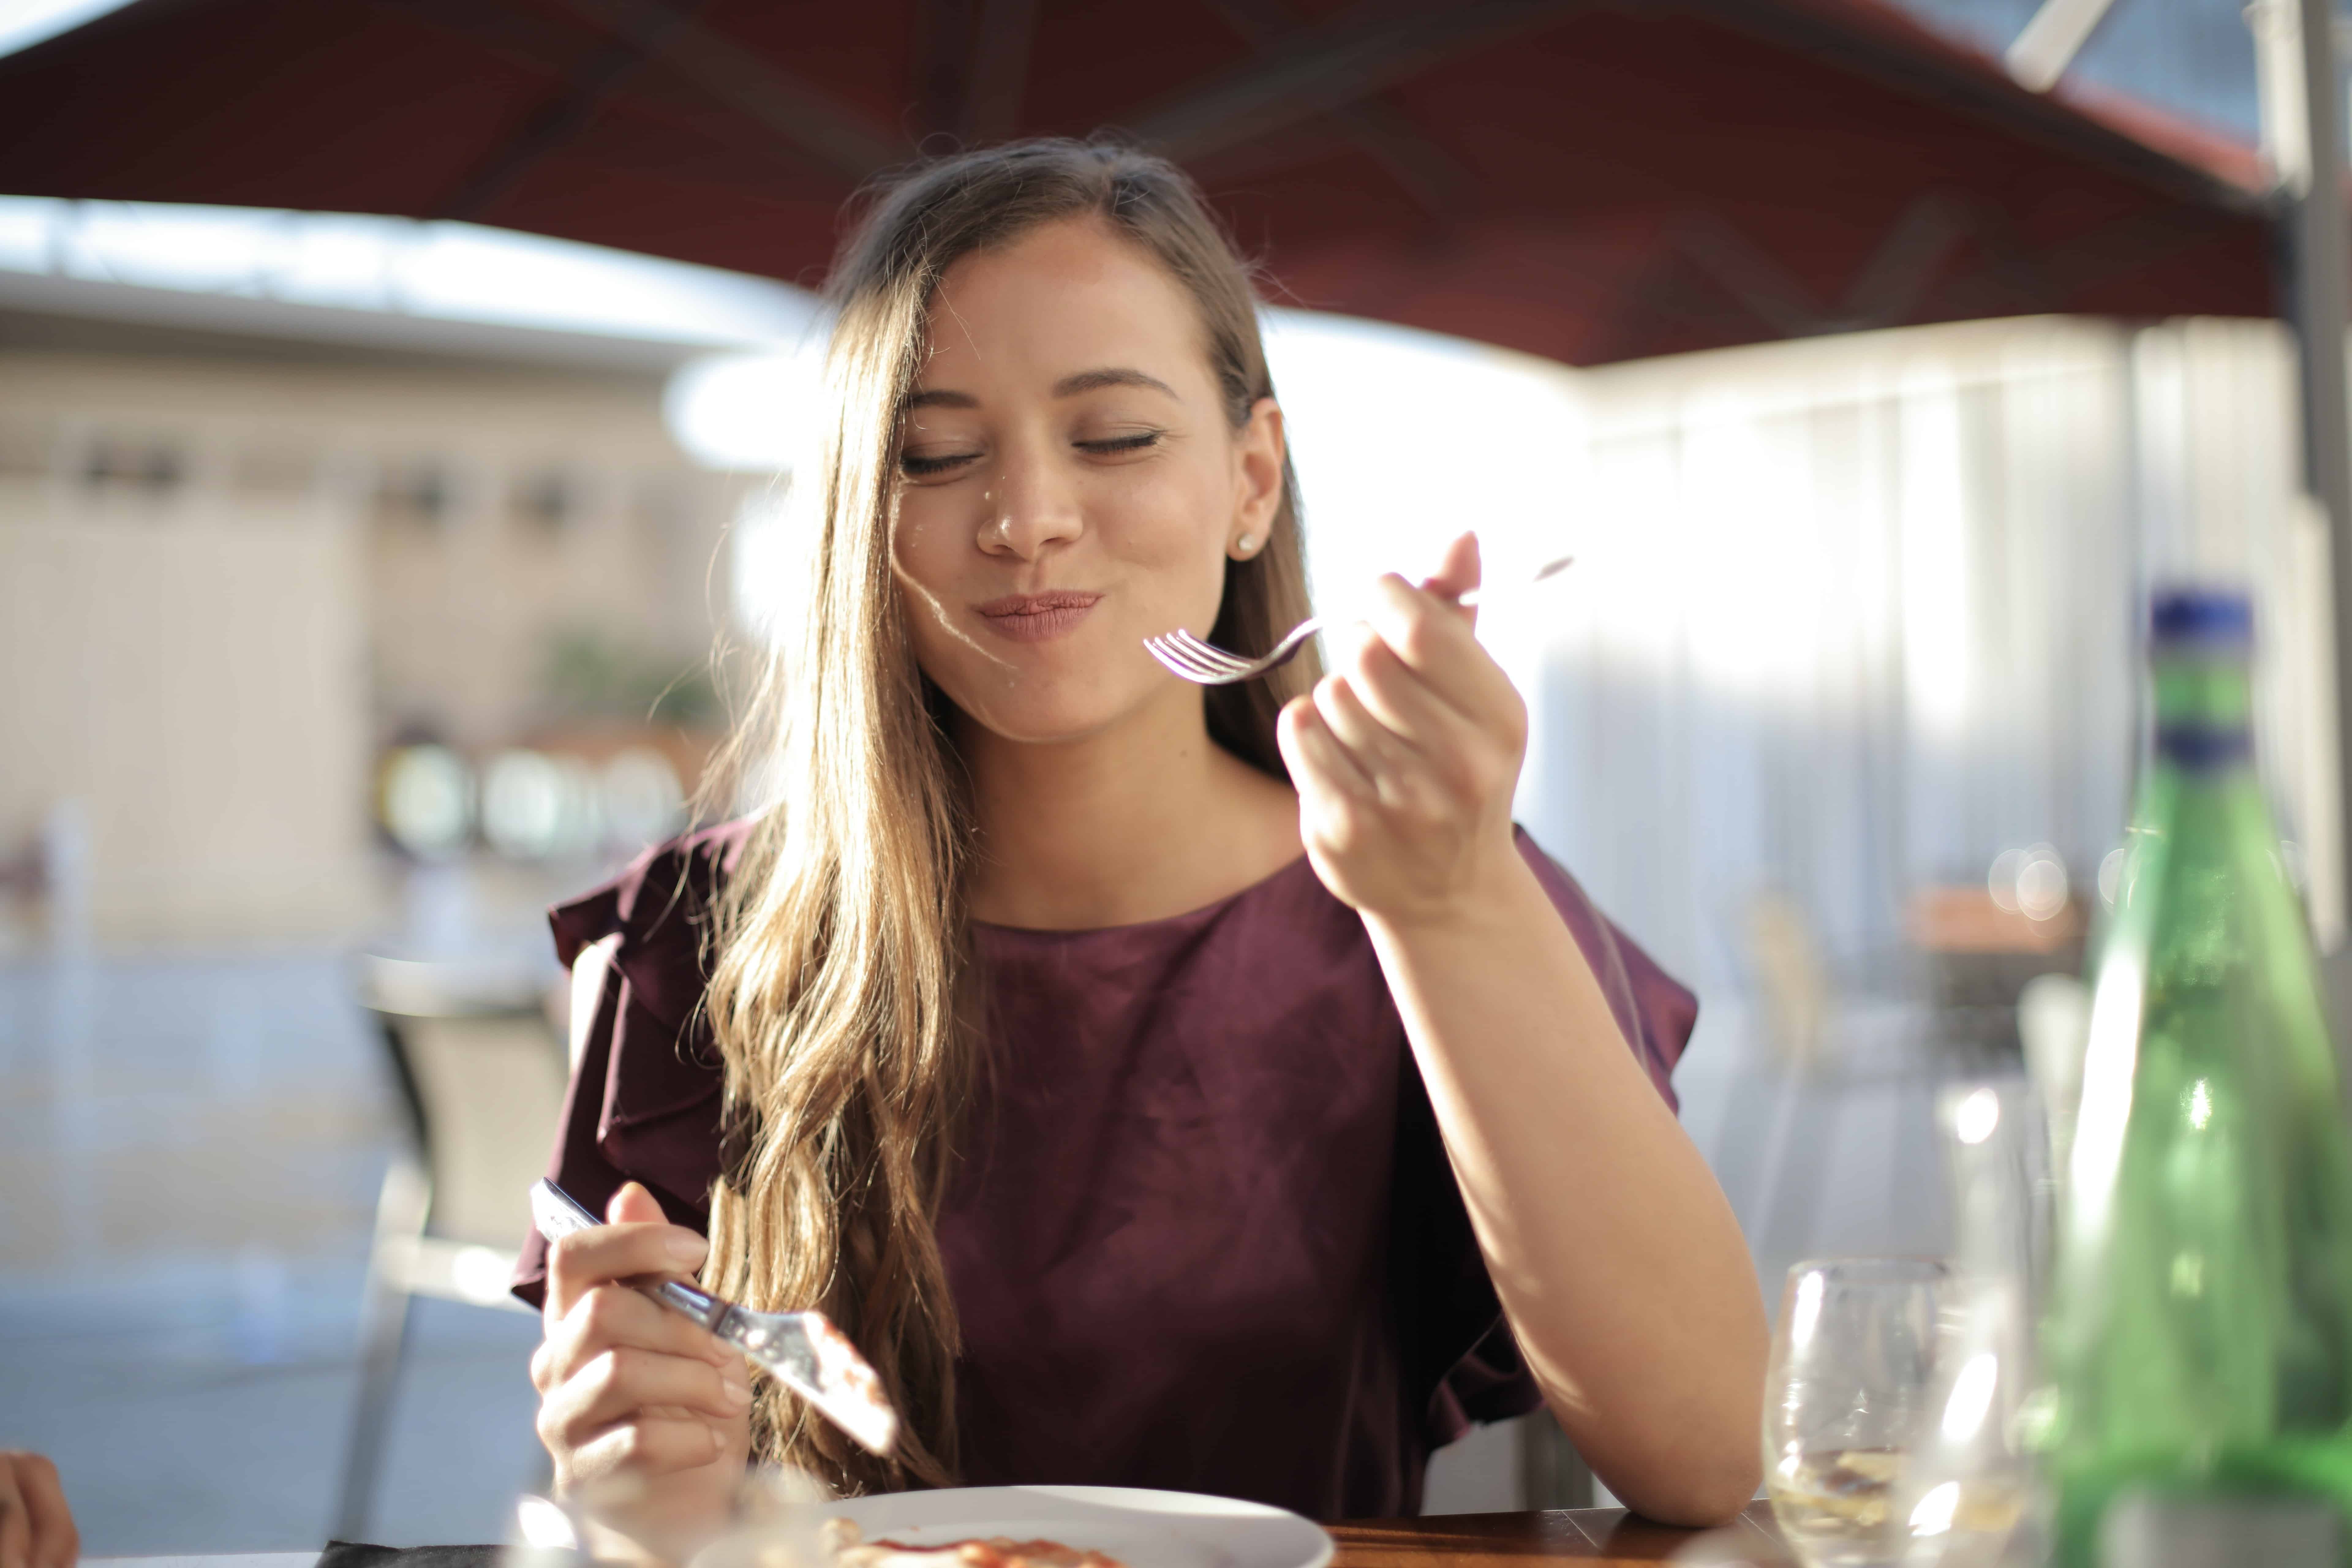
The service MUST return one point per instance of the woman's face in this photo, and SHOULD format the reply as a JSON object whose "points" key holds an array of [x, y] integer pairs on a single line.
{"points": [[1069, 483]]}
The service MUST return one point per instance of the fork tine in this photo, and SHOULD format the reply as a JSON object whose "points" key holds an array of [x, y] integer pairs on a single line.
{"points": [[1220, 674], [1212, 656], [1181, 662], [1187, 656], [1209, 674], [1167, 652], [1187, 652]]}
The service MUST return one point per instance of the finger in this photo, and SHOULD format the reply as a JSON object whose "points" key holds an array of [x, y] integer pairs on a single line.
{"points": [[634, 1204], [16, 1527], [1315, 755], [55, 1540], [582, 1261], [651, 1446], [624, 1384], [1457, 570], [1437, 644], [1377, 749], [613, 1316], [1403, 703]]}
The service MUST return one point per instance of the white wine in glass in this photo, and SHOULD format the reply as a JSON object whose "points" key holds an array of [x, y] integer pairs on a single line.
{"points": [[1852, 1369]]}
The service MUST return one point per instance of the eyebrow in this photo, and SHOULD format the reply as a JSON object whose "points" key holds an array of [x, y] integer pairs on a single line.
{"points": [[1095, 380], [1068, 386]]}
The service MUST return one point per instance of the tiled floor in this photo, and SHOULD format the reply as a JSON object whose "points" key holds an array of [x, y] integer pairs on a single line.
{"points": [[190, 1147]]}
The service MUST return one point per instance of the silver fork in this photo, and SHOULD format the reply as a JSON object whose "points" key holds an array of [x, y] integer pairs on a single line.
{"points": [[1208, 665]]}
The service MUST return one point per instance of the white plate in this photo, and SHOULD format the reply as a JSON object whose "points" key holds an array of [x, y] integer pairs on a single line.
{"points": [[1141, 1528]]}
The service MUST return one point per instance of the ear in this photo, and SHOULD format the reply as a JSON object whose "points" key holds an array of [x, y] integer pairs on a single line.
{"points": [[1257, 479]]}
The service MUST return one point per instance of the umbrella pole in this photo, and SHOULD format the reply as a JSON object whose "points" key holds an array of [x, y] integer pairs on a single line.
{"points": [[2305, 131]]}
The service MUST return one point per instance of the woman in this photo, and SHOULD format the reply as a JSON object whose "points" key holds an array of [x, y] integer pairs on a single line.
{"points": [[1168, 1087]]}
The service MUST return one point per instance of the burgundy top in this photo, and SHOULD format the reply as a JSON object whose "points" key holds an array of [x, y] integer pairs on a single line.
{"points": [[1204, 1235]]}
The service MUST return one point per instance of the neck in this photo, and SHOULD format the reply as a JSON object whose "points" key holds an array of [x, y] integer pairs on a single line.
{"points": [[1143, 819]]}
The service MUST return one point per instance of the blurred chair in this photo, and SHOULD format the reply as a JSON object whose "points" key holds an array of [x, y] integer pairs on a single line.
{"points": [[481, 1075], [2054, 1023], [1790, 979], [1842, 1054]]}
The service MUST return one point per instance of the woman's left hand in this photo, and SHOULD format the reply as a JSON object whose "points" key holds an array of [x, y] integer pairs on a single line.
{"points": [[1406, 755]]}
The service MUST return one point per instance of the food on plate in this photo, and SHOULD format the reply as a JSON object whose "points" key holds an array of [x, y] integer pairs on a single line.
{"points": [[850, 1549]]}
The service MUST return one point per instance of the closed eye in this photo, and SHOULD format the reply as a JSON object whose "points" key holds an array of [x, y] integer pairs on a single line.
{"points": [[1114, 445], [923, 467]]}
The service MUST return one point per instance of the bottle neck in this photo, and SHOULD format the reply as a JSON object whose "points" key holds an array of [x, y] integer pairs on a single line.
{"points": [[2204, 708]]}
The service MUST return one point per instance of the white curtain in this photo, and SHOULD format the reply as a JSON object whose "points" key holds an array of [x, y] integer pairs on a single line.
{"points": [[1850, 616]]}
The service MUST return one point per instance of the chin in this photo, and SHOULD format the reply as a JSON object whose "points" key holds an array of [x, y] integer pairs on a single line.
{"points": [[1041, 723], [1045, 711]]}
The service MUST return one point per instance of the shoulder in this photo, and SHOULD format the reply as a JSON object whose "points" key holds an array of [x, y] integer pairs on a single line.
{"points": [[660, 907]]}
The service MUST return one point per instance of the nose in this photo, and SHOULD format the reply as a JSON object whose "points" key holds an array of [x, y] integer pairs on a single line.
{"points": [[1030, 506]]}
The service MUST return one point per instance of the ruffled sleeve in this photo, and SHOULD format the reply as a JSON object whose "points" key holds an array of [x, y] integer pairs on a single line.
{"points": [[1457, 1343], [644, 1103]]}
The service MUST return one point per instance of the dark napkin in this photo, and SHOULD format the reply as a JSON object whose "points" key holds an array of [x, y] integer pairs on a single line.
{"points": [[354, 1554]]}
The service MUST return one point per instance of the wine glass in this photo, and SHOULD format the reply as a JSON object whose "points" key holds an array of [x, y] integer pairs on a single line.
{"points": [[778, 1522], [1851, 1374], [1969, 1497], [775, 1520]]}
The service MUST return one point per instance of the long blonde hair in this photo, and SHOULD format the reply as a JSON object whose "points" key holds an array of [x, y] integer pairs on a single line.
{"points": [[840, 993]]}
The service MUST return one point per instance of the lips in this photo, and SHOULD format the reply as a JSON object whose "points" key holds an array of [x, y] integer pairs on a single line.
{"points": [[1035, 617]]}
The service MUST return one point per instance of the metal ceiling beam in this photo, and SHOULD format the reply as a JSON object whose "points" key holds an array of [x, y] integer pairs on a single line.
{"points": [[1373, 45], [1884, 292], [999, 69], [1959, 84], [973, 66], [1435, 181], [2319, 266], [824, 130], [940, 68], [544, 42], [555, 122]]}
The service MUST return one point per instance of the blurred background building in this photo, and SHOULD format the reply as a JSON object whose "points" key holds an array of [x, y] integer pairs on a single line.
{"points": [[359, 578]]}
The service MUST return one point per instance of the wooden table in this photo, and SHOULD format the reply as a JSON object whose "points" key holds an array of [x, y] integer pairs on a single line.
{"points": [[1596, 1535], [1506, 1540]]}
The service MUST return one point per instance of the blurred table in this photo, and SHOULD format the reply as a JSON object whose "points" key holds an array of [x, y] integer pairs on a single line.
{"points": [[1577, 1535], [1598, 1535], [1979, 956]]}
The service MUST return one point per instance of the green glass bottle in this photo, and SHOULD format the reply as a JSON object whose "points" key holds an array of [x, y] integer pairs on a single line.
{"points": [[2198, 1336]]}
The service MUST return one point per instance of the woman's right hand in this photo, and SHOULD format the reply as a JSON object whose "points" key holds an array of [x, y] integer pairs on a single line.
{"points": [[36, 1529], [646, 1416]]}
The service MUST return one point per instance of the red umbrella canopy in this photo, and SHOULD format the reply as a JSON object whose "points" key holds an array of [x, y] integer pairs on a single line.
{"points": [[1584, 181]]}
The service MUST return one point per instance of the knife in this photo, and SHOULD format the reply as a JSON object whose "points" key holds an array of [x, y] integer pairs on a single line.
{"points": [[803, 1350]]}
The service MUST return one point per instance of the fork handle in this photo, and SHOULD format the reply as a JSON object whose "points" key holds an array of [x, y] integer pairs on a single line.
{"points": [[1468, 599]]}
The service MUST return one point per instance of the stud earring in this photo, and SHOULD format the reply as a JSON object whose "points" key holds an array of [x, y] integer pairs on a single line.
{"points": [[1246, 543]]}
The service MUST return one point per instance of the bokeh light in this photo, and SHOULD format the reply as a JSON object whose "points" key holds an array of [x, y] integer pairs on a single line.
{"points": [[539, 807], [427, 801]]}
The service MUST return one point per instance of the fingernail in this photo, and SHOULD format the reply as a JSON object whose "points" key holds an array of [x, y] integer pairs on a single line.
{"points": [[737, 1394], [687, 1251]]}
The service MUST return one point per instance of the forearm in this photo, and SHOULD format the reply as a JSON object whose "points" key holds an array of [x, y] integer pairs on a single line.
{"points": [[1612, 1249]]}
